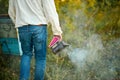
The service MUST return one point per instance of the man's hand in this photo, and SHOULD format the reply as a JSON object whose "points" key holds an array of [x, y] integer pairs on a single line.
{"points": [[55, 39], [59, 36]]}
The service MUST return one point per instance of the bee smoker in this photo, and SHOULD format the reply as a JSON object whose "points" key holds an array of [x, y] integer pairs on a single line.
{"points": [[57, 46]]}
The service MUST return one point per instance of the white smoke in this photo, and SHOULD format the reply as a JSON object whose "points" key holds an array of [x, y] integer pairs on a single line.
{"points": [[88, 53], [90, 57]]}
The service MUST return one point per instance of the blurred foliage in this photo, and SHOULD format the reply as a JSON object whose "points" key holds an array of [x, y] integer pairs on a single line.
{"points": [[78, 18], [3, 6], [104, 12]]}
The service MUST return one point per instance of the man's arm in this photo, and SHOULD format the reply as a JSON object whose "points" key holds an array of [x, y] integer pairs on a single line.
{"points": [[11, 10], [52, 16]]}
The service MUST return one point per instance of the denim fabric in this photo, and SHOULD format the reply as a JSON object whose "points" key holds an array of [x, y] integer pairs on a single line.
{"points": [[33, 42]]}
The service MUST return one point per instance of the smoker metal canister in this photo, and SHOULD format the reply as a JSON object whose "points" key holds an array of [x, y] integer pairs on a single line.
{"points": [[58, 46]]}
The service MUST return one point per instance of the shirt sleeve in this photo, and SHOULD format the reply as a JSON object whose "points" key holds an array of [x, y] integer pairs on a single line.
{"points": [[52, 16], [11, 10]]}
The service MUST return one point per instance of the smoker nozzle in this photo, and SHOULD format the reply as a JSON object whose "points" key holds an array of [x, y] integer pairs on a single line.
{"points": [[59, 46]]}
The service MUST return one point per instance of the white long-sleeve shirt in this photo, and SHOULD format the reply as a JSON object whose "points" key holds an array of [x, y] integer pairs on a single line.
{"points": [[34, 12]]}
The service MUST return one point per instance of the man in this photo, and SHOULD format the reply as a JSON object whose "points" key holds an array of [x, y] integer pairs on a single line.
{"points": [[31, 18]]}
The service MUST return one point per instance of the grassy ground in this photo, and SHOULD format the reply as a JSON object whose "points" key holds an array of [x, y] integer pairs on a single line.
{"points": [[90, 60]]}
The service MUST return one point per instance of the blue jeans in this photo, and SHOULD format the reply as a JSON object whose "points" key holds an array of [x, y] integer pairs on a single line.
{"points": [[33, 42]]}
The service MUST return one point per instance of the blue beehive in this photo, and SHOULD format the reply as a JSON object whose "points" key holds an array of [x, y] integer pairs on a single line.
{"points": [[8, 36]]}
